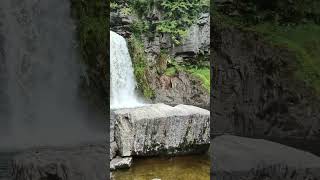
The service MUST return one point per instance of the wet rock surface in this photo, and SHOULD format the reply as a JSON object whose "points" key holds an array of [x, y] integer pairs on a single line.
{"points": [[244, 158], [87, 162], [161, 129], [120, 163]]}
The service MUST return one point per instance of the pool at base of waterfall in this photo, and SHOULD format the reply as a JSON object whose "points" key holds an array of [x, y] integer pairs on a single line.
{"points": [[5, 159], [195, 167]]}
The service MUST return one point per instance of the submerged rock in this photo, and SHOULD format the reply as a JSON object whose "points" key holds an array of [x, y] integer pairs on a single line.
{"points": [[85, 162], [161, 129], [120, 163], [244, 158]]}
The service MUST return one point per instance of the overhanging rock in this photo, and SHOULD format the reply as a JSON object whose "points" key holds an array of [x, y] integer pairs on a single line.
{"points": [[160, 129]]}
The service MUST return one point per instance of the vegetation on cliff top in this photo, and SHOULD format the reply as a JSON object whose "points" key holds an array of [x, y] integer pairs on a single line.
{"points": [[176, 17], [294, 25]]}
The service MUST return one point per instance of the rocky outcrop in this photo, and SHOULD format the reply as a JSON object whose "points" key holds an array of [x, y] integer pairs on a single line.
{"points": [[180, 89], [84, 162], [162, 130], [120, 163], [244, 158], [197, 41], [255, 90], [121, 23]]}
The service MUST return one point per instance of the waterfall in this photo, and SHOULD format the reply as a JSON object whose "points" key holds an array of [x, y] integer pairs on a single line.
{"points": [[40, 75], [122, 83]]}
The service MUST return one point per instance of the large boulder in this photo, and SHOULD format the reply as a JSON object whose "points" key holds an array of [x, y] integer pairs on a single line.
{"points": [[162, 129], [87, 162], [244, 158]]}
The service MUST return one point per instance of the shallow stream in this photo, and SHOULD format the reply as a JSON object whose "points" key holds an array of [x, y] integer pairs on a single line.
{"points": [[164, 168]]}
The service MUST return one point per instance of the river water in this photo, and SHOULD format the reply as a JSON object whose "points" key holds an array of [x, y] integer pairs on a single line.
{"points": [[5, 160], [182, 167]]}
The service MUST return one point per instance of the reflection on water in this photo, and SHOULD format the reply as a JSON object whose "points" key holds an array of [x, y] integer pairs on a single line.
{"points": [[184, 168]]}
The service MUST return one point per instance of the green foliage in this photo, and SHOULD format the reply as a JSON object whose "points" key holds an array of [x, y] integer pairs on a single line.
{"points": [[140, 67], [92, 33], [203, 74], [91, 28], [304, 41], [200, 72], [277, 11], [171, 71], [177, 15]]}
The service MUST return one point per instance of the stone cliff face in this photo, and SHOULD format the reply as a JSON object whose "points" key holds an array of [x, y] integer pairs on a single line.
{"points": [[254, 89], [181, 88]]}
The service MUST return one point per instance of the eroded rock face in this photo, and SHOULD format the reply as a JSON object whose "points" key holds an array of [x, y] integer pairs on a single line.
{"points": [[181, 89], [162, 129], [244, 158], [255, 90], [85, 162], [198, 39]]}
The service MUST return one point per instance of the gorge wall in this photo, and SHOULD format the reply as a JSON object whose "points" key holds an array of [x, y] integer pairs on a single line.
{"points": [[256, 92], [157, 51]]}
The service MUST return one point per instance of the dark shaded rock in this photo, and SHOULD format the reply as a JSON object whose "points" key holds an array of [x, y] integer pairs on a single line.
{"points": [[85, 162], [244, 158], [121, 23], [255, 90]]}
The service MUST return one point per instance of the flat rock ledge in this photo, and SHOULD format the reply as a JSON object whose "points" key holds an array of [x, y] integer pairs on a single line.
{"points": [[251, 159], [160, 129], [88, 162]]}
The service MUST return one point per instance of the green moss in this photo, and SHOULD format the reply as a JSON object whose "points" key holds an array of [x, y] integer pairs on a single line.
{"points": [[140, 66], [91, 17], [200, 72], [176, 18], [203, 74], [300, 39], [171, 71], [303, 40]]}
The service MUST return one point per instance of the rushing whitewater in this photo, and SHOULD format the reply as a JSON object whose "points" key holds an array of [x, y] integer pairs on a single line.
{"points": [[40, 76], [122, 83]]}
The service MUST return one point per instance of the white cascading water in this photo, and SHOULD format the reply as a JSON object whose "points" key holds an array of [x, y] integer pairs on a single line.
{"points": [[122, 83]]}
